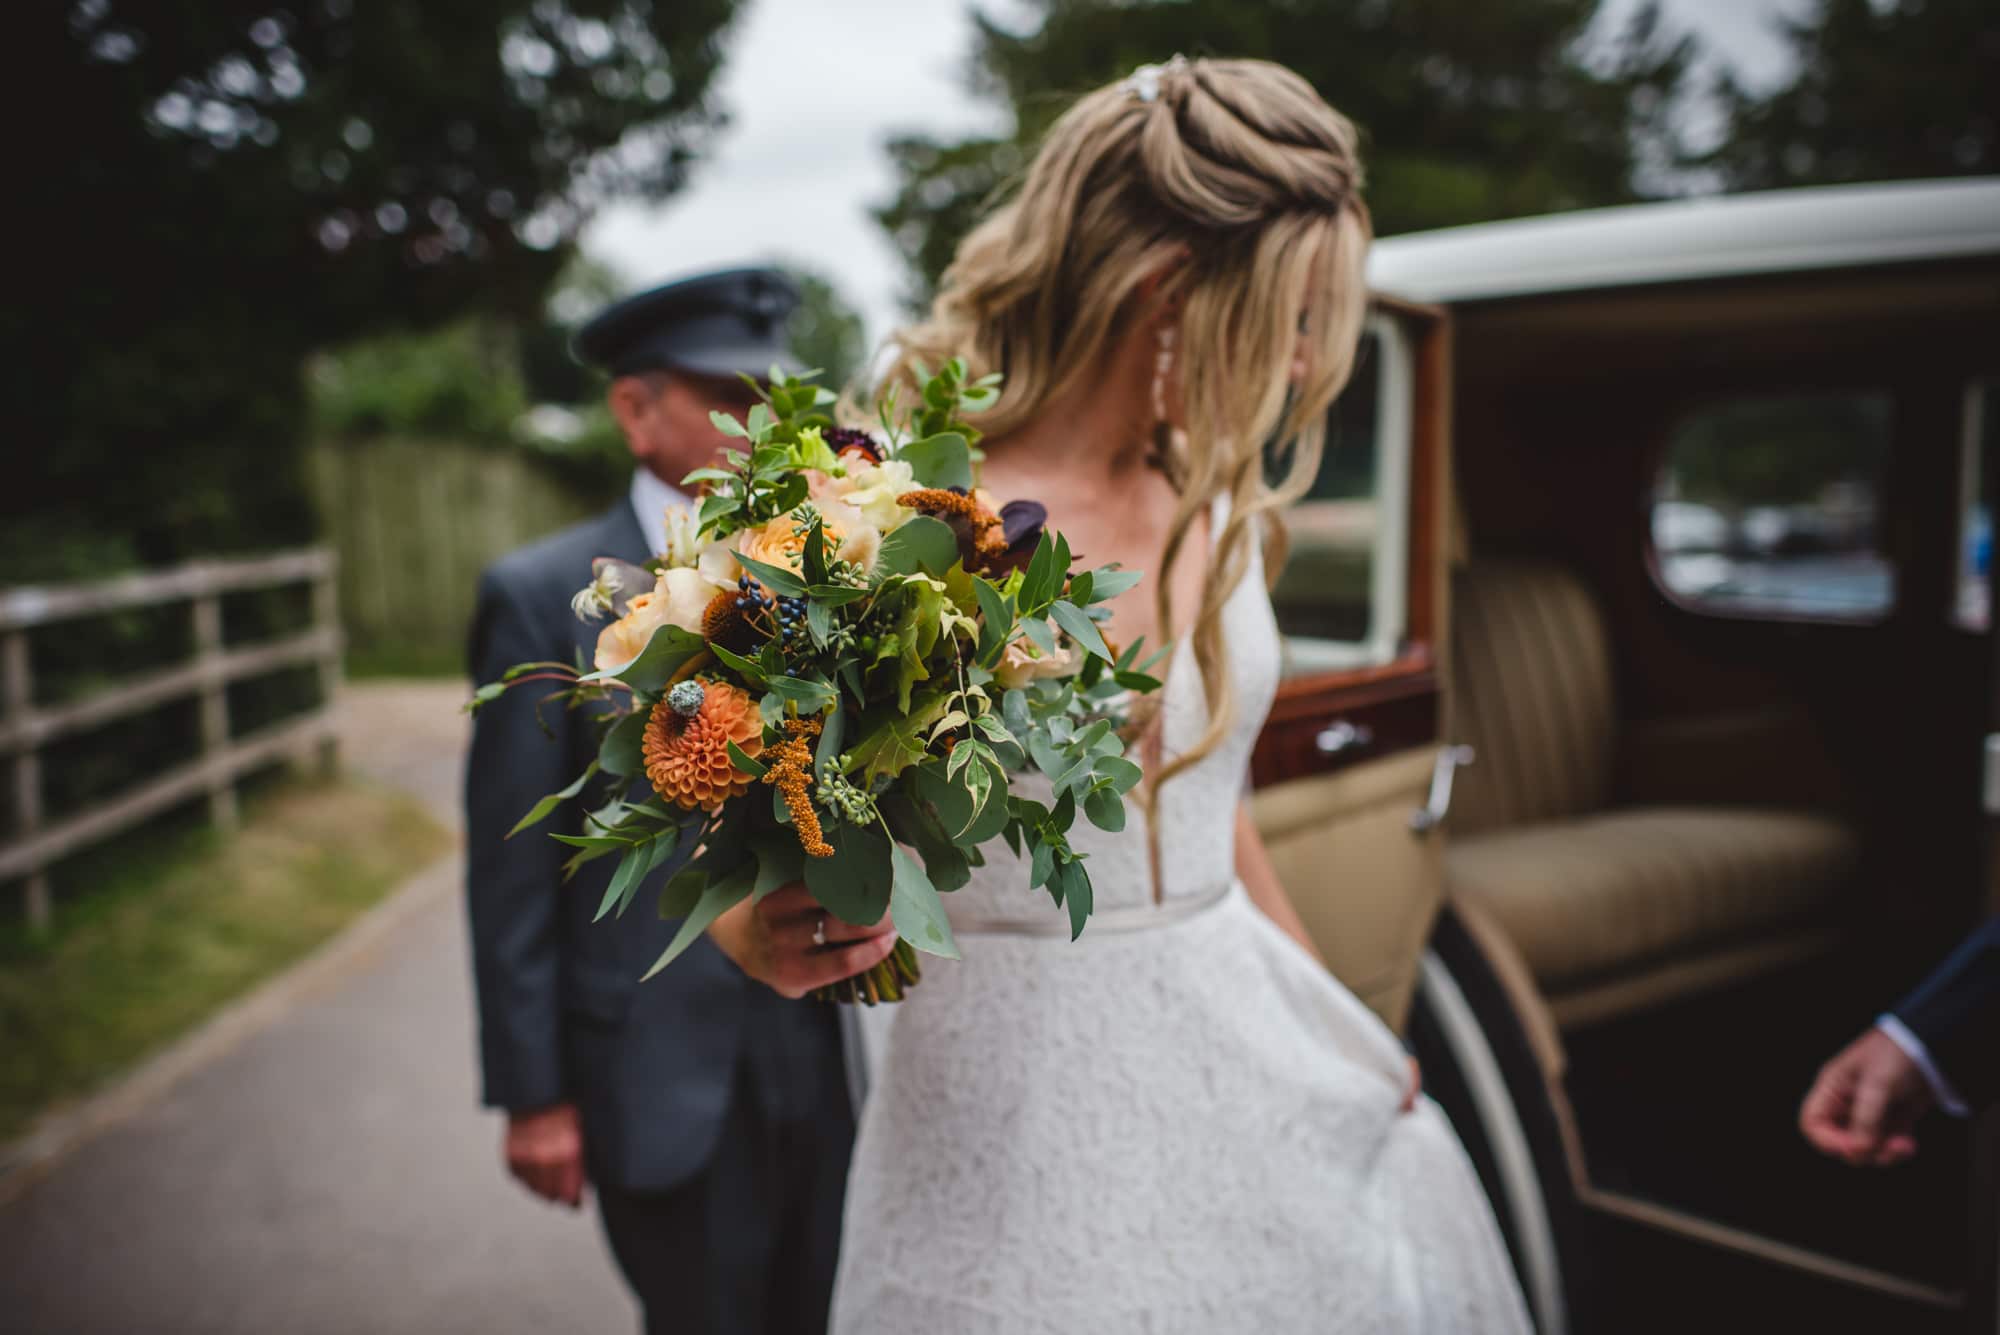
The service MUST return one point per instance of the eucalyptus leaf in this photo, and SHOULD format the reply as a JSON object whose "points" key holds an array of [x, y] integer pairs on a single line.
{"points": [[540, 811], [996, 619], [811, 696], [780, 581], [853, 885], [1037, 630], [917, 911], [666, 652], [620, 752], [832, 736], [918, 544], [1105, 809], [717, 899], [1124, 775], [747, 668], [1107, 582], [1041, 865], [943, 460], [819, 623], [1077, 896], [745, 762], [780, 860], [914, 823], [1081, 628]]}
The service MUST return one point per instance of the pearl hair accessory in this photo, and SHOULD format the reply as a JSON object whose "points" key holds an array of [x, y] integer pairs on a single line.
{"points": [[1163, 366], [1144, 82]]}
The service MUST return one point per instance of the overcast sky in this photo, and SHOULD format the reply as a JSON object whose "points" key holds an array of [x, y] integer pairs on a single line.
{"points": [[811, 136]]}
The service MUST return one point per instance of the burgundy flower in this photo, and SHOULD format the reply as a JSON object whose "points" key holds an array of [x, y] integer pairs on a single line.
{"points": [[845, 438], [1021, 526]]}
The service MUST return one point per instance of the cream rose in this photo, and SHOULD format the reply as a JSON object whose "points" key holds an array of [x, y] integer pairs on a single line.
{"points": [[679, 598], [1023, 662]]}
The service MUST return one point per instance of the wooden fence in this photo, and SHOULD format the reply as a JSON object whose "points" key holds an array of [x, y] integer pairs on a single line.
{"points": [[26, 728], [415, 521]]}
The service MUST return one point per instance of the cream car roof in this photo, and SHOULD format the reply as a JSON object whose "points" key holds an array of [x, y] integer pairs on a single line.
{"points": [[1777, 231]]}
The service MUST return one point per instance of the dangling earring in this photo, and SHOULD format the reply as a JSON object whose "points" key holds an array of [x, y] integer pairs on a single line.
{"points": [[1163, 368]]}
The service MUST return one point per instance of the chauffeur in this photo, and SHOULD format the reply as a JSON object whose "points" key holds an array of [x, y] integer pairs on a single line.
{"points": [[711, 1116]]}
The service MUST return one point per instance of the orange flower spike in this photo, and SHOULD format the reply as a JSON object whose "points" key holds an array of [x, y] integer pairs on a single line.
{"points": [[685, 746], [791, 772]]}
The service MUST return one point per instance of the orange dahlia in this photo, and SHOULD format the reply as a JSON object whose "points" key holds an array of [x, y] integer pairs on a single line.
{"points": [[686, 744]]}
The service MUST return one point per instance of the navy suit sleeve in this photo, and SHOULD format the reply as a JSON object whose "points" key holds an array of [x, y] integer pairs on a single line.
{"points": [[513, 886], [1956, 1013]]}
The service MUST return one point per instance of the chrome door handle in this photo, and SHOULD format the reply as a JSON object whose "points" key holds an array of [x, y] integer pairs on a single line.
{"points": [[1438, 805], [1340, 736]]}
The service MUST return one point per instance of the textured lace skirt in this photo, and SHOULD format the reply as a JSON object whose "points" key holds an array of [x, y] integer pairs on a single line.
{"points": [[1185, 1127]]}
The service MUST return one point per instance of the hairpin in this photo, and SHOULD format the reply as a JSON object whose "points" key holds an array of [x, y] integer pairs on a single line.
{"points": [[1144, 82]]}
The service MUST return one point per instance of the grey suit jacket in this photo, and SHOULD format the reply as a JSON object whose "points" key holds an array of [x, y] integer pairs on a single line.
{"points": [[562, 1016]]}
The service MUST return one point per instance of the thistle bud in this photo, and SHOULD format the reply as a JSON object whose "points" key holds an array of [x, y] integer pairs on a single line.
{"points": [[686, 698]]}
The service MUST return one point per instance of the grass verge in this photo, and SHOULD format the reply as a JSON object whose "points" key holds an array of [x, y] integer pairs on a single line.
{"points": [[175, 923]]}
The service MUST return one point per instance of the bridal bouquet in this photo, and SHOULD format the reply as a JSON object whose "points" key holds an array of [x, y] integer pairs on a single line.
{"points": [[836, 673]]}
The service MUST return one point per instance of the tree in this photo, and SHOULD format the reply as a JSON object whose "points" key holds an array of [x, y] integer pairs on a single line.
{"points": [[239, 182], [825, 331], [1471, 109], [1881, 92]]}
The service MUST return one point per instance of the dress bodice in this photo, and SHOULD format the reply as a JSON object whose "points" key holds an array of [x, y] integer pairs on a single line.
{"points": [[1197, 807]]}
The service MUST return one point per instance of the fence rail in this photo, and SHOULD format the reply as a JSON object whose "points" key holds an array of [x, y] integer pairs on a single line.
{"points": [[26, 728]]}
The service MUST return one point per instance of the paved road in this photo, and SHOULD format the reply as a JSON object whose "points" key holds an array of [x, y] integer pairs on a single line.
{"points": [[331, 1173]]}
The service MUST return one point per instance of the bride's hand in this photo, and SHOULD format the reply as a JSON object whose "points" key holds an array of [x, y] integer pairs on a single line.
{"points": [[772, 941]]}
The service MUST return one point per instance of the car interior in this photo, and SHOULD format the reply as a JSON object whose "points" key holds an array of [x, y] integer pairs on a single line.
{"points": [[1725, 803]]}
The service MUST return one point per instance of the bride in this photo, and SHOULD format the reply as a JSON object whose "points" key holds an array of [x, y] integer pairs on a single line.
{"points": [[1179, 1122]]}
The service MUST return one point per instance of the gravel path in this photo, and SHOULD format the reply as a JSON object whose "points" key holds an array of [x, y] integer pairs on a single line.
{"points": [[330, 1172]]}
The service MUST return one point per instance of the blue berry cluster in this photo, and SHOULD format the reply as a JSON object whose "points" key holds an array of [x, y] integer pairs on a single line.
{"points": [[791, 619], [750, 597]]}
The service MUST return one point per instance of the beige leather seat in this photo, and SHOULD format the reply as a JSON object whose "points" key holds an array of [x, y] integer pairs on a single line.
{"points": [[1613, 908]]}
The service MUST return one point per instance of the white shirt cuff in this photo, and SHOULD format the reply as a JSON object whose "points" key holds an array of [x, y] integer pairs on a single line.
{"points": [[1913, 1048]]}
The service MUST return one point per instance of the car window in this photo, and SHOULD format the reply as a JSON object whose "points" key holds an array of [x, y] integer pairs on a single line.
{"points": [[1340, 597], [1975, 525], [1769, 504]]}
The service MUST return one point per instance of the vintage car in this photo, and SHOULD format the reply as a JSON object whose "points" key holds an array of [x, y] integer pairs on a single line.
{"points": [[1630, 753]]}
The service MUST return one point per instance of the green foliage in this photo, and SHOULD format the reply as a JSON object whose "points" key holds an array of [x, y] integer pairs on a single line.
{"points": [[886, 667], [1471, 109], [461, 381], [249, 184], [1883, 91]]}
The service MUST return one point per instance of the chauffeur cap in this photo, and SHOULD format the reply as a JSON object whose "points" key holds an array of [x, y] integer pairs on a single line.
{"points": [[720, 324]]}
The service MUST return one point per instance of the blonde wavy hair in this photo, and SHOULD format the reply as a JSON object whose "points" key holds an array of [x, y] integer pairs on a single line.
{"points": [[1239, 187]]}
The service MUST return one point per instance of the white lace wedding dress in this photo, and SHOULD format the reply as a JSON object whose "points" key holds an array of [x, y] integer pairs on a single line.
{"points": [[1179, 1122]]}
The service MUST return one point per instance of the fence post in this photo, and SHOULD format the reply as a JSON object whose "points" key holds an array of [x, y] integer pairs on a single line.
{"points": [[17, 697], [326, 618], [222, 809]]}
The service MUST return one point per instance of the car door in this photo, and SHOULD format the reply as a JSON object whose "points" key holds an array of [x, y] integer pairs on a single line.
{"points": [[1349, 773]]}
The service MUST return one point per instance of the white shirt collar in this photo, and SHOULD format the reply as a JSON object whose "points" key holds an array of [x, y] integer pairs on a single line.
{"points": [[650, 499]]}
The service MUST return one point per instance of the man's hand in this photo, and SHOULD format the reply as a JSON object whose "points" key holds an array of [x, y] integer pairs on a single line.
{"points": [[1865, 1103], [545, 1150]]}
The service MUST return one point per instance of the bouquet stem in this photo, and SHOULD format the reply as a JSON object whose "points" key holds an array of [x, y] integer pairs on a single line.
{"points": [[886, 982]]}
